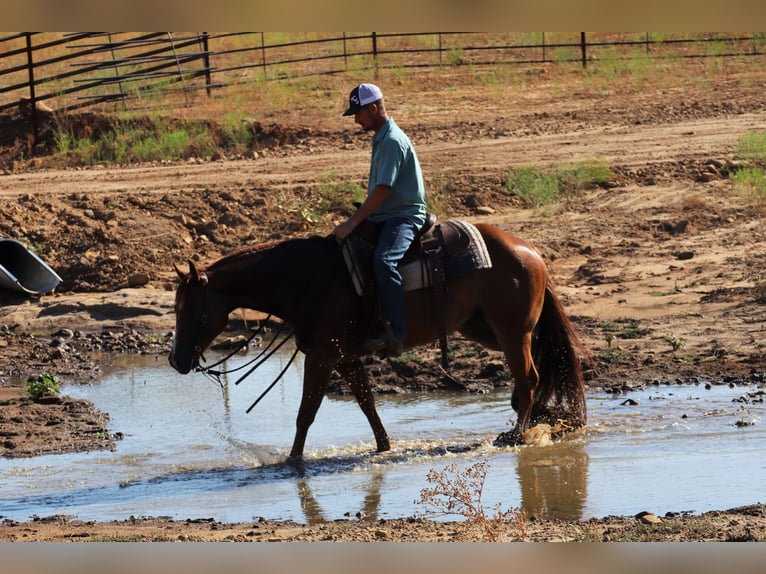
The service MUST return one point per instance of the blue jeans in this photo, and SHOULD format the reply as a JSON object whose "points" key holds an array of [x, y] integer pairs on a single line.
{"points": [[395, 237]]}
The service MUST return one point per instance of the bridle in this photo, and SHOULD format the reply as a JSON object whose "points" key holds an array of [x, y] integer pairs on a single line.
{"points": [[265, 354]]}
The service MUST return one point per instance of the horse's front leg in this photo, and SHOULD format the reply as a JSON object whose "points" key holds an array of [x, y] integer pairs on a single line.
{"points": [[316, 375], [356, 376]]}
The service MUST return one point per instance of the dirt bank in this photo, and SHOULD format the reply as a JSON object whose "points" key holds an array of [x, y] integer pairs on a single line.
{"points": [[661, 269]]}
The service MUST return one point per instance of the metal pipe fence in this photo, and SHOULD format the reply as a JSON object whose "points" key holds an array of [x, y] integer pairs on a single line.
{"points": [[135, 70]]}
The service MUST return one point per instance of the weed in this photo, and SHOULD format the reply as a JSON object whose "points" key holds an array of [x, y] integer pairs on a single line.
{"points": [[459, 493], [43, 385], [752, 147], [751, 181], [538, 188], [615, 355], [337, 196], [407, 357], [624, 329], [676, 343], [236, 130], [156, 337]]}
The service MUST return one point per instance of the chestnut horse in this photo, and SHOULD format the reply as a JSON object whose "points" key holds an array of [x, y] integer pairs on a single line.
{"points": [[510, 307]]}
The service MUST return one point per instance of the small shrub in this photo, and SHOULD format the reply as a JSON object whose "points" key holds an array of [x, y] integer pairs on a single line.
{"points": [[677, 343], [43, 385], [456, 493]]}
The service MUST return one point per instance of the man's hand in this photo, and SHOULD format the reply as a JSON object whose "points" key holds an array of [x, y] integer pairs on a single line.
{"points": [[371, 203], [343, 230]]}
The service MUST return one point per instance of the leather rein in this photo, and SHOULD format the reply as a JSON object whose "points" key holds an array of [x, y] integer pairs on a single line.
{"points": [[265, 354]]}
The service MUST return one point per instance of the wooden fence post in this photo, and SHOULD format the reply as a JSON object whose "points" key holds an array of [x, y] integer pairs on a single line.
{"points": [[32, 98], [583, 50], [375, 53], [263, 54], [206, 61]]}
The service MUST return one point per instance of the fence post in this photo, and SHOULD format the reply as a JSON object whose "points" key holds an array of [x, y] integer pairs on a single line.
{"points": [[263, 54], [32, 98], [375, 53], [206, 61], [345, 52], [583, 50], [117, 70]]}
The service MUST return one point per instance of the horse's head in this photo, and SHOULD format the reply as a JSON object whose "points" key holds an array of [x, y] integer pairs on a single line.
{"points": [[200, 317]]}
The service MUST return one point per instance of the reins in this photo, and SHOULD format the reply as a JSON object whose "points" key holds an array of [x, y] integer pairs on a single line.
{"points": [[259, 359], [208, 370]]}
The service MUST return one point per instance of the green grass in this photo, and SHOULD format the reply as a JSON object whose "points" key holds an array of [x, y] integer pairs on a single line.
{"points": [[752, 147], [625, 329], [615, 356], [750, 180], [139, 140], [43, 385], [538, 188]]}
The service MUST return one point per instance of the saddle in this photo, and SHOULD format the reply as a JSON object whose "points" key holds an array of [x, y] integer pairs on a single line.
{"points": [[440, 252]]}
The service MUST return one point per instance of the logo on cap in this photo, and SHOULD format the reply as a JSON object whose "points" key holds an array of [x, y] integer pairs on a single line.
{"points": [[361, 96]]}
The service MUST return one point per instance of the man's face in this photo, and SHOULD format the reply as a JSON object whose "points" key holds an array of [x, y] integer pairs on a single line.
{"points": [[364, 118]]}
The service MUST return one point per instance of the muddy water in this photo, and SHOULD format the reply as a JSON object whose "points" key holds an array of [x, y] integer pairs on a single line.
{"points": [[191, 451]]}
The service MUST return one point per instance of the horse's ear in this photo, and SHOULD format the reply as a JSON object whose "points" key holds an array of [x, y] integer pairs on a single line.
{"points": [[180, 273], [200, 276]]}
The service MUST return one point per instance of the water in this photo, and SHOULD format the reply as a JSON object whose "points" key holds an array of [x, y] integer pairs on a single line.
{"points": [[191, 451]]}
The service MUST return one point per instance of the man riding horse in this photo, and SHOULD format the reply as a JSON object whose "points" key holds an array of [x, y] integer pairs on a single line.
{"points": [[395, 203]]}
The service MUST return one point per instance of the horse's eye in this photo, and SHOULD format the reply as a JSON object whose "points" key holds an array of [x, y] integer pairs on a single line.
{"points": [[203, 319]]}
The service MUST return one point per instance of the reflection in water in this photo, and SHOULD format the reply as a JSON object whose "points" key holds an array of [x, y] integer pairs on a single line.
{"points": [[554, 479], [314, 514]]}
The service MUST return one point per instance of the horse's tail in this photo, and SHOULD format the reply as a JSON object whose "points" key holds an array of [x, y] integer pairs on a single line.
{"points": [[558, 351]]}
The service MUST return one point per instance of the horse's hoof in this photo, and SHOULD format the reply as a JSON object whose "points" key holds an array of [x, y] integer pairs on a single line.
{"points": [[296, 462], [384, 446], [509, 438]]}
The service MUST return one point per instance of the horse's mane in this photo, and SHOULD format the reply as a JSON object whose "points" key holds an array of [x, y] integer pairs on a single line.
{"points": [[251, 250]]}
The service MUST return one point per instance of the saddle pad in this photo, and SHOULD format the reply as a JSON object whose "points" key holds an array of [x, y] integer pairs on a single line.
{"points": [[464, 252], [471, 255]]}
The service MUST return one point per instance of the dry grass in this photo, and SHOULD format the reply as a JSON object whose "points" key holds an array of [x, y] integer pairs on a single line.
{"points": [[459, 493]]}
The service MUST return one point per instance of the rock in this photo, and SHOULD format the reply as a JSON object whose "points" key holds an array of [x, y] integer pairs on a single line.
{"points": [[485, 210], [138, 279], [234, 342], [646, 517]]}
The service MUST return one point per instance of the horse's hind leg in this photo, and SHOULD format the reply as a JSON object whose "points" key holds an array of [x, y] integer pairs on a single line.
{"points": [[517, 348], [355, 374], [518, 354]]}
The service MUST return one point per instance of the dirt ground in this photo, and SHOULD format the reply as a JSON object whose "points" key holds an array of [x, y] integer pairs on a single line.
{"points": [[662, 269]]}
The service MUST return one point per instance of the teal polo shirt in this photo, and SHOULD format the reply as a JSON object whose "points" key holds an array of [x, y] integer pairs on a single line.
{"points": [[395, 163]]}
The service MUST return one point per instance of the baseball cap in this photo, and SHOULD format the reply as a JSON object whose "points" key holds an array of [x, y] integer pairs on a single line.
{"points": [[362, 95]]}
